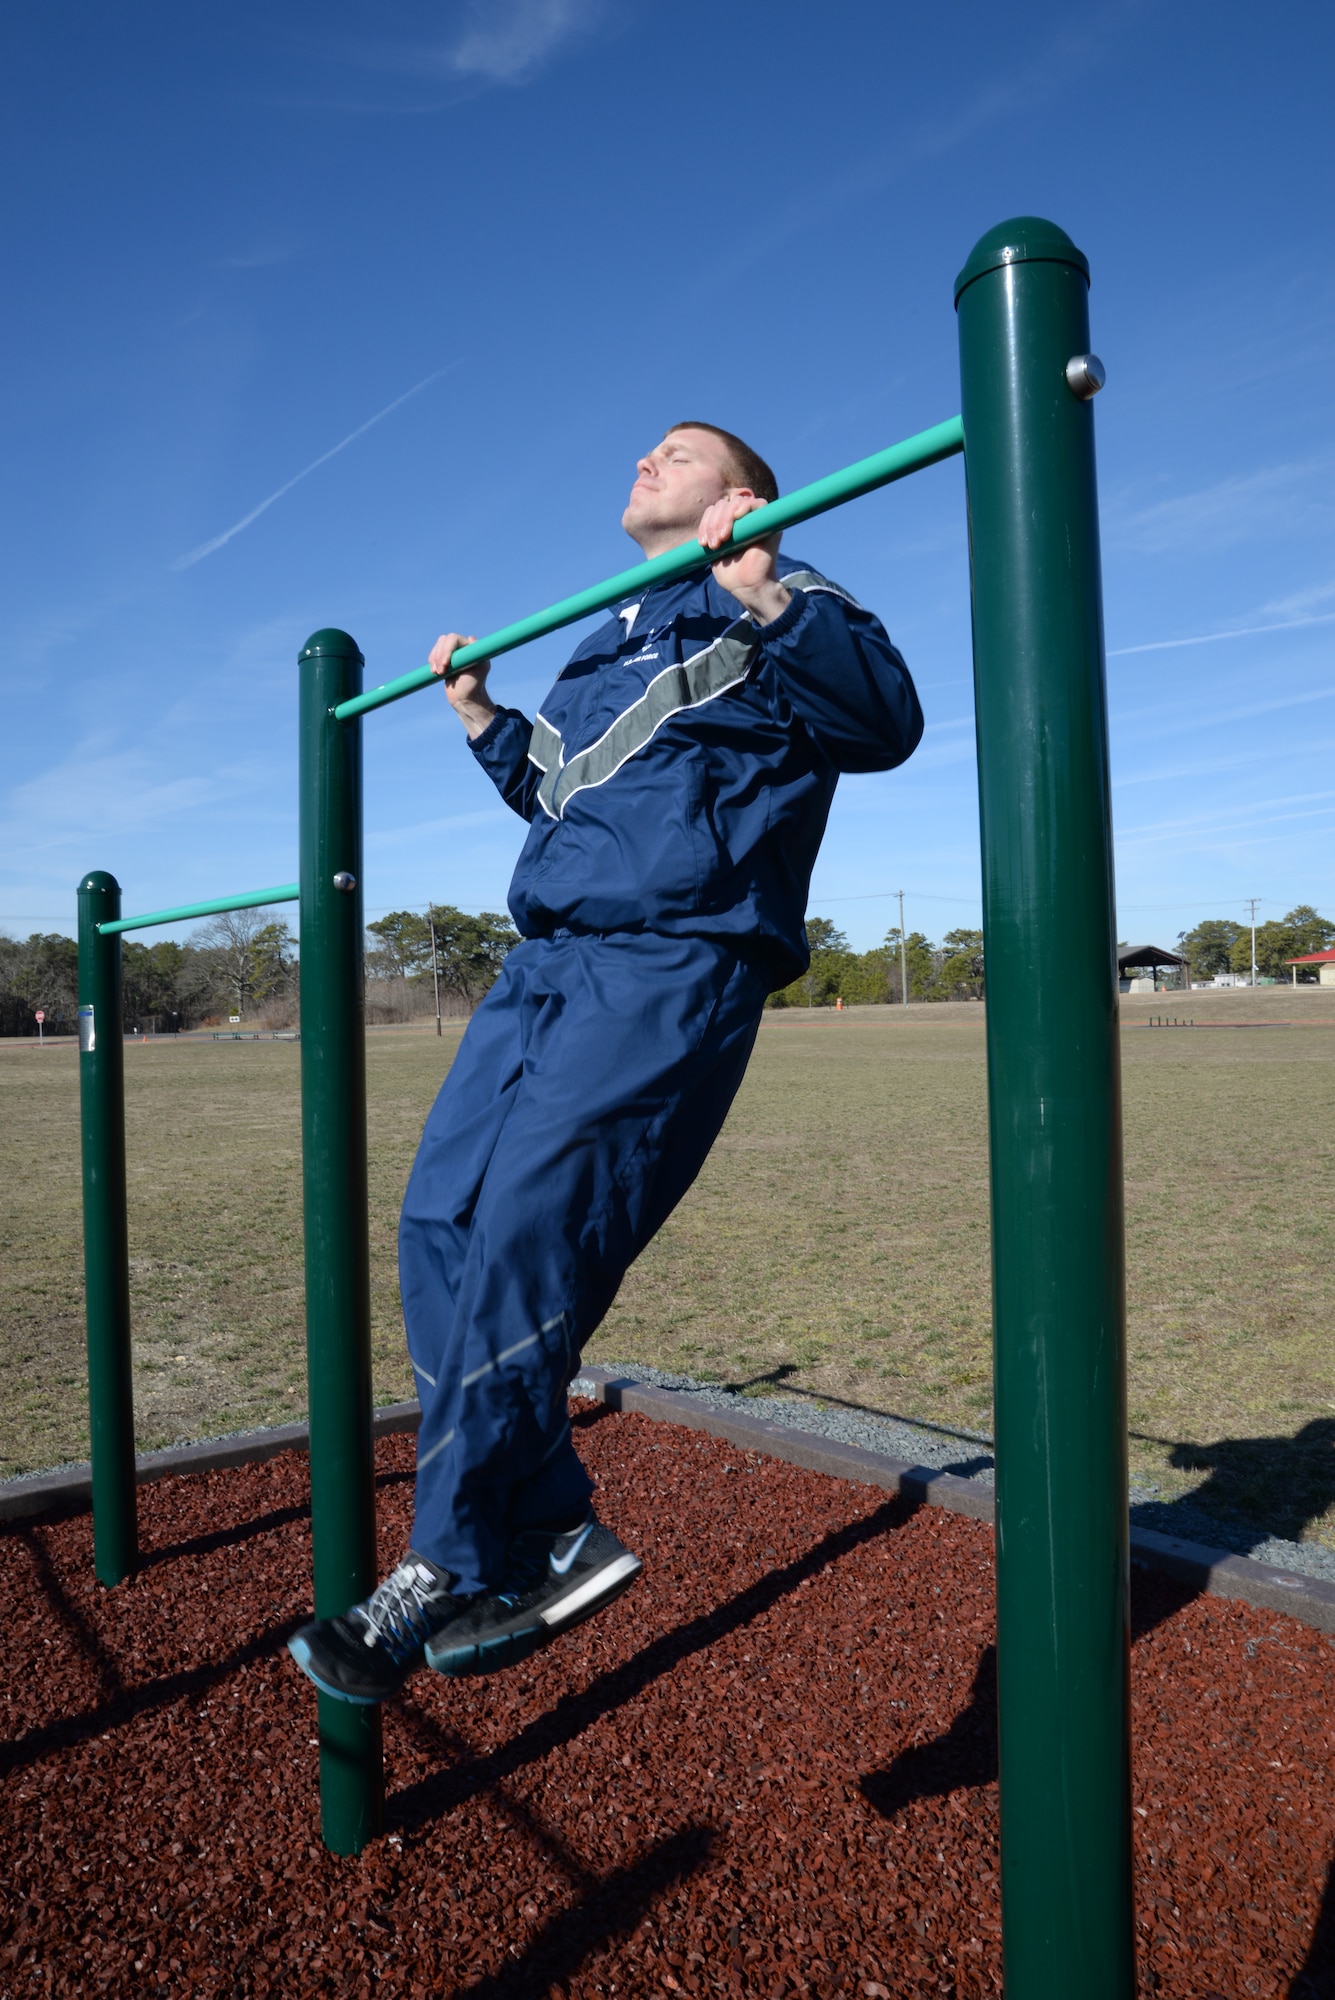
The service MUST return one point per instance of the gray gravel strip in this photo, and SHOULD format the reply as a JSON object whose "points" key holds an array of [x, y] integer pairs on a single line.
{"points": [[968, 1454]]}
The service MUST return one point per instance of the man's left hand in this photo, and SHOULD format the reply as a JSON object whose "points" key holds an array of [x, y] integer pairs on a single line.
{"points": [[750, 574]]}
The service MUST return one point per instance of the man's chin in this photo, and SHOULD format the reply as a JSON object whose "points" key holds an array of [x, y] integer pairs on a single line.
{"points": [[639, 529], [653, 536]]}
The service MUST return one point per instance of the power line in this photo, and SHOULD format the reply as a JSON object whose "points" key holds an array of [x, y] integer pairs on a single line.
{"points": [[888, 895]]}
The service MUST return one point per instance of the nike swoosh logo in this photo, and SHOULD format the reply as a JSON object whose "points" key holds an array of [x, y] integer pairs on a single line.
{"points": [[562, 1563]]}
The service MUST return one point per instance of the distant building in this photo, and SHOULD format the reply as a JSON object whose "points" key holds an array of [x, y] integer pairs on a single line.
{"points": [[1324, 961], [1139, 968]]}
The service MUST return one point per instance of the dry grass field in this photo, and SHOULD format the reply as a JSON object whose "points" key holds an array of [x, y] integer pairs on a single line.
{"points": [[837, 1239]]}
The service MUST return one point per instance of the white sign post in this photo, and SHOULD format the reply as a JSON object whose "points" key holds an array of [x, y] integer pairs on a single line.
{"points": [[41, 1016]]}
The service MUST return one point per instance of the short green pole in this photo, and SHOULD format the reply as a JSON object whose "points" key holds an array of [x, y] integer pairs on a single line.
{"points": [[106, 1252], [1055, 1117], [333, 1131]]}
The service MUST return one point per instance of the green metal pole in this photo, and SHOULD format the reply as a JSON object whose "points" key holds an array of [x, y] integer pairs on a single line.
{"points": [[333, 1130], [106, 1253], [1055, 1117]]}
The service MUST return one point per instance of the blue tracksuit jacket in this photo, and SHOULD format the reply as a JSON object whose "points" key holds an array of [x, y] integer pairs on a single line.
{"points": [[679, 775], [677, 782]]}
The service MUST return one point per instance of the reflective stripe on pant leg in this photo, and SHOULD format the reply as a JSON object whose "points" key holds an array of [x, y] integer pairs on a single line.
{"points": [[457, 1142], [628, 1073]]}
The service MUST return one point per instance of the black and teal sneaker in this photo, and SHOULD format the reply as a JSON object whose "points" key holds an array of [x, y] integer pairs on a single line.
{"points": [[555, 1578], [367, 1654]]}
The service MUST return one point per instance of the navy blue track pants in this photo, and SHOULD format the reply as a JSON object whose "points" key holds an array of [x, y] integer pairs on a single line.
{"points": [[587, 1091]]}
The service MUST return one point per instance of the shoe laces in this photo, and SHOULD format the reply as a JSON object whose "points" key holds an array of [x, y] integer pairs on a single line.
{"points": [[404, 1611]]}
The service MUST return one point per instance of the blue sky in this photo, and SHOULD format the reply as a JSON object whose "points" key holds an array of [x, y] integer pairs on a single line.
{"points": [[433, 275]]}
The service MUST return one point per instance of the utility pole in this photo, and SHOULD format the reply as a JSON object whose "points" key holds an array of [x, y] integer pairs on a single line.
{"points": [[1251, 902], [903, 951], [435, 967]]}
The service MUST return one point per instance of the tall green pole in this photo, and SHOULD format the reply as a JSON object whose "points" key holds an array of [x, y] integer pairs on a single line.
{"points": [[106, 1253], [1055, 1116], [333, 1132]]}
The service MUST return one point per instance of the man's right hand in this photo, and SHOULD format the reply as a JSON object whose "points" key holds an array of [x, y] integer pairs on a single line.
{"points": [[466, 690]]}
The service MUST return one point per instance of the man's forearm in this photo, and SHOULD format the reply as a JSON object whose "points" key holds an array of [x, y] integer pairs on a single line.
{"points": [[477, 714], [765, 601]]}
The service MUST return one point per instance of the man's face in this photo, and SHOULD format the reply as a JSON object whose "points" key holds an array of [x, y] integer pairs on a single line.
{"points": [[674, 484]]}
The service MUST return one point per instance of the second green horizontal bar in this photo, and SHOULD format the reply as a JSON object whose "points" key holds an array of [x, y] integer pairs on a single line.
{"points": [[927, 448], [254, 899]]}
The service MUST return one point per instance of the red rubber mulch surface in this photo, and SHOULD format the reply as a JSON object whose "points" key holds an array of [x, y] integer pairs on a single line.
{"points": [[769, 1770]]}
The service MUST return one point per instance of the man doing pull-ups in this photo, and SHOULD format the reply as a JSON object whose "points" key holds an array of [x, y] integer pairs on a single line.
{"points": [[676, 782]]}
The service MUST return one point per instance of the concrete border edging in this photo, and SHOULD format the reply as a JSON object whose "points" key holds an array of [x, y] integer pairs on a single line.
{"points": [[70, 1488], [1214, 1572]]}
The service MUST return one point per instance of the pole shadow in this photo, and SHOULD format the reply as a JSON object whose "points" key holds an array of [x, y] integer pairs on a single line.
{"points": [[777, 1378], [610, 1908], [964, 1757], [444, 1791], [70, 1730], [224, 1538], [1315, 1978], [67, 1613]]}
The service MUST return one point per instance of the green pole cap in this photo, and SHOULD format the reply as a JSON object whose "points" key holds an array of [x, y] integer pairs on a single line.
{"points": [[1025, 239], [331, 640], [98, 878]]}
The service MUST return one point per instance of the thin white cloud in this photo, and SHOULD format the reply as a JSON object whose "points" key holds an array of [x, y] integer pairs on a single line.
{"points": [[512, 39], [1276, 498], [1235, 632], [220, 541], [1211, 767], [501, 42], [1299, 602], [1238, 819], [1045, 71], [262, 258], [399, 836]]}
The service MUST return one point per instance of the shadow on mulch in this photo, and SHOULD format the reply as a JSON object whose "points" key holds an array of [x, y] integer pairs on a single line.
{"points": [[609, 1908], [967, 1754], [574, 1714], [769, 1770]]}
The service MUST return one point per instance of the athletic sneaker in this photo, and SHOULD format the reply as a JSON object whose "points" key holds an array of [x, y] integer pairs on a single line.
{"points": [[366, 1655], [555, 1578]]}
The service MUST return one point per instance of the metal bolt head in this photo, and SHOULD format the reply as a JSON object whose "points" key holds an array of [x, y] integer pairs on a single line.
{"points": [[1085, 375], [347, 883]]}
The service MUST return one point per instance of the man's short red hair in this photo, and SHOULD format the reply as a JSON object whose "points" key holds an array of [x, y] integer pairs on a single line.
{"points": [[748, 466]]}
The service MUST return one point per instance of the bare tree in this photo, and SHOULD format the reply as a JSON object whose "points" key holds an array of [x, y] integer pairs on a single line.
{"points": [[251, 951]]}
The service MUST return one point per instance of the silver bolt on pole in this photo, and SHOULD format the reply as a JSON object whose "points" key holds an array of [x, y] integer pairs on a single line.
{"points": [[1085, 376]]}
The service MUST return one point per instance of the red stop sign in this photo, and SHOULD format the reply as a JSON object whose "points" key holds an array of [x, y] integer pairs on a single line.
{"points": [[41, 1014]]}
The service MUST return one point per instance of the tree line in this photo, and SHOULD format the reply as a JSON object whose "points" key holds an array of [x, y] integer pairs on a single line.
{"points": [[1219, 945], [238, 963], [246, 963], [951, 970]]}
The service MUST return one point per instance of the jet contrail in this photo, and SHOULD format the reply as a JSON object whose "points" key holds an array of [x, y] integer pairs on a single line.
{"points": [[207, 548], [1204, 638]]}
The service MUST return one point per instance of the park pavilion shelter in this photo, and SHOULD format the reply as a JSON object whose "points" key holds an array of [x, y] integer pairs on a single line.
{"points": [[1324, 961], [1139, 967]]}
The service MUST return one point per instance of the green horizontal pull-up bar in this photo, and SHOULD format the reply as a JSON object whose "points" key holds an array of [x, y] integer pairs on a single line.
{"points": [[927, 448], [252, 900]]}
